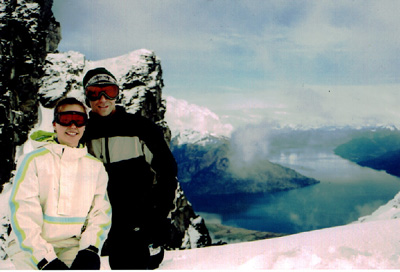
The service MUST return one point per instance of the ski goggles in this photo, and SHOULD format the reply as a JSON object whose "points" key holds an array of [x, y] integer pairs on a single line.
{"points": [[67, 118], [94, 93]]}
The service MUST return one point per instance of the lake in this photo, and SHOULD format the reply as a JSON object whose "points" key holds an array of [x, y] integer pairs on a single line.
{"points": [[346, 192]]}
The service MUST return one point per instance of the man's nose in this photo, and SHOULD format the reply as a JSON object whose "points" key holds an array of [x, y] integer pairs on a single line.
{"points": [[103, 98]]}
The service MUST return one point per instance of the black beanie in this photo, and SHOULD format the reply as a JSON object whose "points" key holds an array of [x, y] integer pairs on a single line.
{"points": [[99, 76]]}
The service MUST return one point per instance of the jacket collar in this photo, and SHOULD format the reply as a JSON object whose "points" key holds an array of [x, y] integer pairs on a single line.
{"points": [[66, 152], [119, 110], [49, 141]]}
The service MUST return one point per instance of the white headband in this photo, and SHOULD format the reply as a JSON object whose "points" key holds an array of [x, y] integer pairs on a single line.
{"points": [[101, 78]]}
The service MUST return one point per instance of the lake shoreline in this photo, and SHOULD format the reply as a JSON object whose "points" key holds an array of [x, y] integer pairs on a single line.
{"points": [[346, 192]]}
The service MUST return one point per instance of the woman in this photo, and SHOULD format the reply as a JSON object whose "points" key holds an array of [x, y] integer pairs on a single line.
{"points": [[60, 213]]}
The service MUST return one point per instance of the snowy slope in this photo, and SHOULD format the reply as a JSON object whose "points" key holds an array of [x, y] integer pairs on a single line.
{"points": [[371, 243]]}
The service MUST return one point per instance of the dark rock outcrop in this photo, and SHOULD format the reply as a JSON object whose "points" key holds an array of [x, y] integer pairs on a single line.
{"points": [[229, 235], [189, 229], [28, 31]]}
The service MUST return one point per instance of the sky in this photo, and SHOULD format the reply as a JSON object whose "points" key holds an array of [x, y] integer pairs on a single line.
{"points": [[255, 61]]}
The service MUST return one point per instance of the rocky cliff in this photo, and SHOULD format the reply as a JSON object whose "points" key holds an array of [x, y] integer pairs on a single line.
{"points": [[28, 31]]}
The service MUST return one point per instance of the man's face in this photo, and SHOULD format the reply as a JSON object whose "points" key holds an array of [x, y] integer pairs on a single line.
{"points": [[103, 106]]}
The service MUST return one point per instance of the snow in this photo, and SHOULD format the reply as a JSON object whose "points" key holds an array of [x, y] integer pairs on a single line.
{"points": [[372, 245], [191, 237], [117, 66], [44, 123], [373, 242]]}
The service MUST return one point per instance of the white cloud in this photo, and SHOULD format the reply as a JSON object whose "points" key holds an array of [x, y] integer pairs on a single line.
{"points": [[316, 35], [182, 116], [314, 106]]}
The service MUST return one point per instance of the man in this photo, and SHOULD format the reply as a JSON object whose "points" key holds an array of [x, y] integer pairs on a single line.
{"points": [[142, 174]]}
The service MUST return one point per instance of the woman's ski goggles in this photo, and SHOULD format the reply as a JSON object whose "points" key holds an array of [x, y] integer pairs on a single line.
{"points": [[67, 118], [94, 93]]}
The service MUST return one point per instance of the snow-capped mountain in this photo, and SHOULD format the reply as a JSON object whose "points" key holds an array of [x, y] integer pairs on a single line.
{"points": [[195, 137]]}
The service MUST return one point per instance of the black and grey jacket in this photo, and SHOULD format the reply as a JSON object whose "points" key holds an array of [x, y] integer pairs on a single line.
{"points": [[142, 170]]}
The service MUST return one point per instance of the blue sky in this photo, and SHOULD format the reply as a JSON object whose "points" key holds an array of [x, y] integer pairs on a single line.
{"points": [[249, 61]]}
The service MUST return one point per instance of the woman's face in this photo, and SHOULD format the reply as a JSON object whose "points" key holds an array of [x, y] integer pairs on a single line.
{"points": [[69, 135]]}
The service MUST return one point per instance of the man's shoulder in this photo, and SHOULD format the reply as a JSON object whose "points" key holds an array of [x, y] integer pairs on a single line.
{"points": [[134, 117], [121, 111], [121, 123]]}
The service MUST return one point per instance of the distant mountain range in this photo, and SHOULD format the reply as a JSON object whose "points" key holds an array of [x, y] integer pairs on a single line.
{"points": [[210, 165]]}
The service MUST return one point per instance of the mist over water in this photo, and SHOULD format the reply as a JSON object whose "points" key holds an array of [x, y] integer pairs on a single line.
{"points": [[346, 192]]}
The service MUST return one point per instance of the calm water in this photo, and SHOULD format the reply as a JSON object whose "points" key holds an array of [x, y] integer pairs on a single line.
{"points": [[346, 192]]}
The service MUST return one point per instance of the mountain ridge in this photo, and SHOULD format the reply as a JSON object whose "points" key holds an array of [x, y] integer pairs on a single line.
{"points": [[379, 150], [215, 169]]}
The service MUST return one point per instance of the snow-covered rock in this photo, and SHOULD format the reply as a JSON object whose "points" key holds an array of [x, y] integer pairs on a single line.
{"points": [[389, 211]]}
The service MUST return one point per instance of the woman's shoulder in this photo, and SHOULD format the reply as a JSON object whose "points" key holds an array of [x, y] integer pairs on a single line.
{"points": [[28, 157], [95, 160], [36, 153]]}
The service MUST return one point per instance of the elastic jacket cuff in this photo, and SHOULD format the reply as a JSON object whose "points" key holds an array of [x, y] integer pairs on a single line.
{"points": [[42, 264], [93, 249]]}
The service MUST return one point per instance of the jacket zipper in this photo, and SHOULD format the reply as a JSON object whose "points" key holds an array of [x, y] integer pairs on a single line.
{"points": [[107, 150]]}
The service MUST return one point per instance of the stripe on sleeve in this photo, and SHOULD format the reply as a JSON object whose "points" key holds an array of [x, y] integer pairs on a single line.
{"points": [[14, 205]]}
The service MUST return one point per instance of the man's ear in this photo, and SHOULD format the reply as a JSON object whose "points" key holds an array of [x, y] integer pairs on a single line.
{"points": [[54, 126]]}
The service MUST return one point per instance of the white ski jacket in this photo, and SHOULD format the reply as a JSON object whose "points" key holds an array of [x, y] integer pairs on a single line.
{"points": [[59, 194]]}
